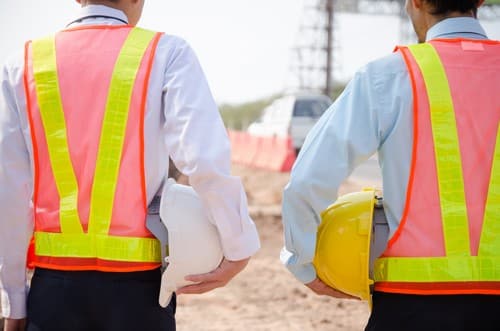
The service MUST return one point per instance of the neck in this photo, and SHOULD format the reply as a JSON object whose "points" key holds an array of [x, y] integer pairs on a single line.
{"points": [[115, 5], [434, 19], [124, 6]]}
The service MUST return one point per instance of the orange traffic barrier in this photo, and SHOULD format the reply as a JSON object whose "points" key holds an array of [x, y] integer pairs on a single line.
{"points": [[283, 155], [250, 150], [238, 141], [271, 153], [264, 153]]}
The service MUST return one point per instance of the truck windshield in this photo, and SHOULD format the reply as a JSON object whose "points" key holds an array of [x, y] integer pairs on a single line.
{"points": [[310, 108]]}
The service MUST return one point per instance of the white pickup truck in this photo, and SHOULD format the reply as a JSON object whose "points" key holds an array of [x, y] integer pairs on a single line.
{"points": [[291, 115]]}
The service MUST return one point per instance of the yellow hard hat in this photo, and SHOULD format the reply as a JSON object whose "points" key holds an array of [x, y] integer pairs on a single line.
{"points": [[342, 255]]}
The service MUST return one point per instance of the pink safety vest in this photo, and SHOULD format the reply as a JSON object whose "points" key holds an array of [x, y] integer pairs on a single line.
{"points": [[85, 59], [472, 68]]}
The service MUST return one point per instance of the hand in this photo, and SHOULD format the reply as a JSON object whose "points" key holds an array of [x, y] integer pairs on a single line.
{"points": [[212, 280], [320, 288], [14, 324]]}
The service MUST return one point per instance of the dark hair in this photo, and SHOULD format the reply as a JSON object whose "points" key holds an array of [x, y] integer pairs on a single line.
{"points": [[441, 7]]}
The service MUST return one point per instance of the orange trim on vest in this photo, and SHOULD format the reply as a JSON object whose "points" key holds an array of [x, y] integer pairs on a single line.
{"points": [[149, 68], [478, 41], [492, 288], [36, 161], [411, 179], [78, 264], [97, 27]]}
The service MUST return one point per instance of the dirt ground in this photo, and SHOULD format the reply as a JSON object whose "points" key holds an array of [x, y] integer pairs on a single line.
{"points": [[265, 296]]}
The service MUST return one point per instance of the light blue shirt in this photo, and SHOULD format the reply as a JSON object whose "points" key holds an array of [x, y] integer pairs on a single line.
{"points": [[373, 114]]}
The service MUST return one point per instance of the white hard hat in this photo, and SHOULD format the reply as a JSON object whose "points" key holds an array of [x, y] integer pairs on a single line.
{"points": [[193, 241]]}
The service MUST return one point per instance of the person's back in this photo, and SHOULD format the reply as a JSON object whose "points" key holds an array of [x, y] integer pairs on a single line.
{"points": [[96, 110], [406, 111]]}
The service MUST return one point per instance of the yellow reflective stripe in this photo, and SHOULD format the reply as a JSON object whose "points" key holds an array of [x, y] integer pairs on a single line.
{"points": [[104, 247], [114, 127], [490, 235], [447, 150], [49, 101], [438, 269]]}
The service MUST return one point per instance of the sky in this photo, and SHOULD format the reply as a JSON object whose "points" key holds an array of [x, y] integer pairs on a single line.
{"points": [[244, 46]]}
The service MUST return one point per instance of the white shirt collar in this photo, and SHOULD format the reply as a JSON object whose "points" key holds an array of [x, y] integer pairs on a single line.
{"points": [[89, 14], [457, 27]]}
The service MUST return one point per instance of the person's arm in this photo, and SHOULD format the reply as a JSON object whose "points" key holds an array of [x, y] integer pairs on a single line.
{"points": [[320, 288], [345, 136], [200, 149], [16, 220]]}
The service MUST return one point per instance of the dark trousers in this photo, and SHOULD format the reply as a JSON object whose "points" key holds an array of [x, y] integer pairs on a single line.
{"points": [[434, 312], [97, 301]]}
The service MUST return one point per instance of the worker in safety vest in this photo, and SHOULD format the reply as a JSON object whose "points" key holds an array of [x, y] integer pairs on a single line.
{"points": [[432, 113], [89, 117]]}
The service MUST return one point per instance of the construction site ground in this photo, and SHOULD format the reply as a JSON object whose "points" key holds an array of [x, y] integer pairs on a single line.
{"points": [[265, 296]]}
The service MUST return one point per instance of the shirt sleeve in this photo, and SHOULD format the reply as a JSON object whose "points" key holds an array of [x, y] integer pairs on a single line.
{"points": [[16, 220], [345, 136], [200, 149]]}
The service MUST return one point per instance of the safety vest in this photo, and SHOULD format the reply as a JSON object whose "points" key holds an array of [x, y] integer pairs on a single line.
{"points": [[86, 94], [448, 241]]}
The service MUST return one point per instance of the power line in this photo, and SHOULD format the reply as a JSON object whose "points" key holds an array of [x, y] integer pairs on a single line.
{"points": [[313, 58], [315, 55]]}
